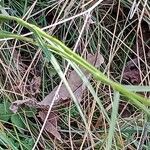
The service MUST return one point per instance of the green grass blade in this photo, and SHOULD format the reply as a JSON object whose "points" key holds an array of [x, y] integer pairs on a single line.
{"points": [[112, 125]]}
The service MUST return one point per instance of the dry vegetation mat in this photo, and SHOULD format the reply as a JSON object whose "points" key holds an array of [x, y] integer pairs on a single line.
{"points": [[75, 74]]}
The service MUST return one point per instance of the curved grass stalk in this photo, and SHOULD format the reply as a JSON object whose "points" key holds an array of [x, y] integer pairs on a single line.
{"points": [[134, 98]]}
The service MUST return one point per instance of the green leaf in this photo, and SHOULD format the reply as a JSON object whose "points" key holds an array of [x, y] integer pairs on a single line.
{"points": [[28, 143], [18, 121], [6, 141], [5, 112]]}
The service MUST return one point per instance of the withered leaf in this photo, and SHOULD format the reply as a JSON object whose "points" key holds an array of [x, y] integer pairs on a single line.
{"points": [[31, 102], [97, 59], [131, 72], [74, 81], [51, 123]]}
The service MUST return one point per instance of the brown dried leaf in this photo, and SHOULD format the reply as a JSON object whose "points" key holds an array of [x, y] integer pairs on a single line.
{"points": [[131, 72], [133, 76], [96, 60], [51, 123], [74, 81], [63, 93], [31, 102]]}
